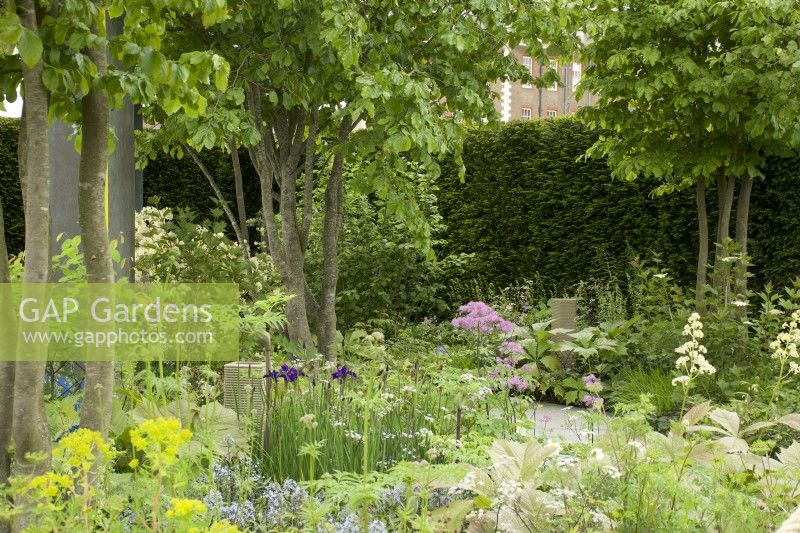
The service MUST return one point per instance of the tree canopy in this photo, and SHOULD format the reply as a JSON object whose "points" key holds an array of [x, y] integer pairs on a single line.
{"points": [[686, 89]]}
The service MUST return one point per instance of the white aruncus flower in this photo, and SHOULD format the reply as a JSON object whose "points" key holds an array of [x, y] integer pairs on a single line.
{"points": [[692, 359], [785, 345]]}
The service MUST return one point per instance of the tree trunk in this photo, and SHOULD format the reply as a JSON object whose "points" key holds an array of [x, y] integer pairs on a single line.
{"points": [[285, 245], [6, 382], [742, 220], [294, 272], [95, 114], [702, 242], [30, 431], [22, 155], [334, 208], [217, 192], [725, 190], [288, 260], [239, 185]]}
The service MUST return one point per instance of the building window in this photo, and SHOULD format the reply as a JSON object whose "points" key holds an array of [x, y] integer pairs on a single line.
{"points": [[528, 64], [552, 113], [576, 75], [554, 68], [526, 113]]}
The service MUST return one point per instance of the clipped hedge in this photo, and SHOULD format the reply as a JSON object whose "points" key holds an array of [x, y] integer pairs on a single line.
{"points": [[10, 193], [531, 206], [178, 183]]}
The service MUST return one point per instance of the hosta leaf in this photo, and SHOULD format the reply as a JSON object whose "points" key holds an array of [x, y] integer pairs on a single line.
{"points": [[703, 452], [451, 516], [790, 456], [733, 445], [701, 427], [518, 460], [755, 463]]}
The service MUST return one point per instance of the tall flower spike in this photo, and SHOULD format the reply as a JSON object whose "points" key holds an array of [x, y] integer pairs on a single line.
{"points": [[692, 361]]}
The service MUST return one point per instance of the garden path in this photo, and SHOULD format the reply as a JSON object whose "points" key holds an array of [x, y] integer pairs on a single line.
{"points": [[557, 422]]}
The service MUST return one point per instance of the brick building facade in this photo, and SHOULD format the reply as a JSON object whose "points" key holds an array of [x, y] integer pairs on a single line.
{"points": [[518, 101]]}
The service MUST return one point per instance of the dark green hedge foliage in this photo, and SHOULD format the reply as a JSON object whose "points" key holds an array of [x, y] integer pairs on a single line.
{"points": [[179, 183], [531, 204], [10, 193]]}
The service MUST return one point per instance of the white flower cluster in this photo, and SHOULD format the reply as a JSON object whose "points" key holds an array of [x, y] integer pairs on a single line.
{"points": [[467, 484], [174, 249], [354, 435], [480, 394], [508, 492], [692, 359], [784, 347], [423, 433]]}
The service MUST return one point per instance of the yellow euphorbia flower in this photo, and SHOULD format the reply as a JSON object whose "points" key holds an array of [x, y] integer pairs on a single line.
{"points": [[81, 448], [223, 527], [160, 439], [49, 485], [183, 508]]}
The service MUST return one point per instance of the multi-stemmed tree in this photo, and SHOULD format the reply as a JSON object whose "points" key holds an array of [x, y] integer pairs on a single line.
{"points": [[318, 85], [694, 93], [70, 67]]}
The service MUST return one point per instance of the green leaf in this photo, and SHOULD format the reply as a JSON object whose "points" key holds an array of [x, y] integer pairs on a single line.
{"points": [[551, 362], [30, 47], [483, 502], [221, 73], [10, 30]]}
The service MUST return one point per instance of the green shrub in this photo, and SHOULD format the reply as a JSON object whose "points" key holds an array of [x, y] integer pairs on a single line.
{"points": [[382, 273]]}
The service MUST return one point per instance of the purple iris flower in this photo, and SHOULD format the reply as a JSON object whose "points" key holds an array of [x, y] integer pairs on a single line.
{"points": [[289, 374], [343, 373]]}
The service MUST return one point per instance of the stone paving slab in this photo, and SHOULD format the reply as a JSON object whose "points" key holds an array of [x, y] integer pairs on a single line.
{"points": [[558, 422]]}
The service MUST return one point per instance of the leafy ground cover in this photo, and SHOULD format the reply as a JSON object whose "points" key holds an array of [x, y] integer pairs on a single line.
{"points": [[429, 428]]}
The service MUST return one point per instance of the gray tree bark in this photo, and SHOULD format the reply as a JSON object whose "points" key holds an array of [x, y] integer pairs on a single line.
{"points": [[30, 431], [725, 191], [280, 165], [286, 136], [742, 221], [334, 209], [702, 241], [95, 114], [238, 184]]}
